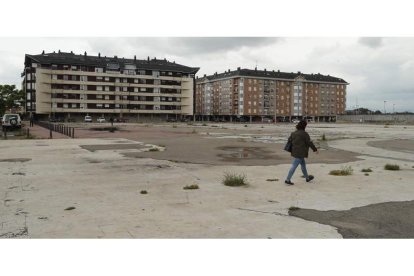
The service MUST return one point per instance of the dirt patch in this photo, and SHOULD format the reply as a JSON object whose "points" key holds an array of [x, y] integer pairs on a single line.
{"points": [[382, 220], [401, 145], [16, 160]]}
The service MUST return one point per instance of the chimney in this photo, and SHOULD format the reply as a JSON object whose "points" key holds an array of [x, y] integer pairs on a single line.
{"points": [[99, 55], [85, 54], [71, 52], [255, 68], [135, 58], [205, 75], [115, 57], [59, 51], [43, 52], [238, 68], [148, 58], [265, 69]]}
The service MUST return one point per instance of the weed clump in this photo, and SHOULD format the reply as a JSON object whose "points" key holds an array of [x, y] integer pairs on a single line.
{"points": [[293, 208], [191, 187], [346, 170], [234, 180], [392, 167], [154, 149], [143, 192], [323, 137], [366, 170]]}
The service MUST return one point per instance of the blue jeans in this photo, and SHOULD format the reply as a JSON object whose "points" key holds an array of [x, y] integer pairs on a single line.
{"points": [[295, 164]]}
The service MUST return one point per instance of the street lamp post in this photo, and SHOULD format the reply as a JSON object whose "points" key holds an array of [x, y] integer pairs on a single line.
{"points": [[384, 107], [393, 108]]}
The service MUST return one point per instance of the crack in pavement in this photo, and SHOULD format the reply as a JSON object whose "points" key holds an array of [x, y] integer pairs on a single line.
{"points": [[264, 212]]}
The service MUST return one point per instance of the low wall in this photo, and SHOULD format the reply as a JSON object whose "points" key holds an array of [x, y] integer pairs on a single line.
{"points": [[387, 118]]}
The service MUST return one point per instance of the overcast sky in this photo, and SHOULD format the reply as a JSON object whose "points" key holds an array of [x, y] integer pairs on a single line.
{"points": [[378, 69]]}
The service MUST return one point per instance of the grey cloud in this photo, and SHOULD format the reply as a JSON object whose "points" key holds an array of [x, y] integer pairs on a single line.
{"points": [[189, 46], [372, 42]]}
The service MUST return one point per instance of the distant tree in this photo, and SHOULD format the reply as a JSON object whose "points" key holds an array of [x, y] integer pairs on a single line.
{"points": [[10, 97], [377, 112]]}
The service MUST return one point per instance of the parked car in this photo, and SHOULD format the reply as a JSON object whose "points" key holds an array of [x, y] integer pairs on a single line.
{"points": [[267, 120], [88, 119], [120, 120], [295, 121], [101, 120], [171, 120], [56, 120], [11, 121]]}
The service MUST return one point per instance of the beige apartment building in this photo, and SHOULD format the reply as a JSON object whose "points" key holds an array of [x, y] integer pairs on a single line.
{"points": [[66, 85], [259, 95]]}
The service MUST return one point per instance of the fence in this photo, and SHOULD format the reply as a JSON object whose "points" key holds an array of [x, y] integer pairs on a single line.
{"points": [[61, 128]]}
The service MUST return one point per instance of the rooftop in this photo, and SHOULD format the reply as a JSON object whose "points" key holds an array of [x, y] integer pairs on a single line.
{"points": [[272, 74], [104, 61]]}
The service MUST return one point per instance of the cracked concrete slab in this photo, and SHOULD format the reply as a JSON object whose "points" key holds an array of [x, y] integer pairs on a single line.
{"points": [[104, 186]]}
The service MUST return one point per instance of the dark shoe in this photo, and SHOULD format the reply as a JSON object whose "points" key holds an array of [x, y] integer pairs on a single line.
{"points": [[288, 182], [309, 178]]}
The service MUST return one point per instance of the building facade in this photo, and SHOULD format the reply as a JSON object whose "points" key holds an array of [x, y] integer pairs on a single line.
{"points": [[65, 85], [260, 94]]}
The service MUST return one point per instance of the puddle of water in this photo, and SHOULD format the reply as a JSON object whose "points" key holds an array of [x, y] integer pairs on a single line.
{"points": [[243, 153], [15, 160]]}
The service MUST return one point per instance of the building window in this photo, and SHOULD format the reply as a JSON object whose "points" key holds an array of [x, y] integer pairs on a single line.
{"points": [[98, 70]]}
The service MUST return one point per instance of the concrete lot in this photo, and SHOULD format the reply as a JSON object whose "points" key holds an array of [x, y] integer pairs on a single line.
{"points": [[90, 187]]}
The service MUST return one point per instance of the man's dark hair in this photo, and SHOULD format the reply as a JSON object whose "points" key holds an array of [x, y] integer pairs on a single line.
{"points": [[301, 125]]}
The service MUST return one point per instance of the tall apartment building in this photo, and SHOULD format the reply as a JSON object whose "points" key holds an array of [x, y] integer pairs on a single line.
{"points": [[260, 94], [64, 85]]}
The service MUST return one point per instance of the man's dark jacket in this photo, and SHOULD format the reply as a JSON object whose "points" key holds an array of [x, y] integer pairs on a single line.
{"points": [[301, 143]]}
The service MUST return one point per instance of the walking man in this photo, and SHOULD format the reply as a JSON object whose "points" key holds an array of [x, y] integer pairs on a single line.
{"points": [[301, 143]]}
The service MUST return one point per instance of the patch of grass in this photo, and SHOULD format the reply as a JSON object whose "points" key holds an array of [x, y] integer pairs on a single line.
{"points": [[190, 123], [366, 170], [204, 124], [174, 126], [293, 208], [143, 192], [366, 174], [392, 167], [70, 208], [154, 149], [323, 137], [191, 187], [346, 170], [234, 180], [245, 125], [194, 131], [272, 179]]}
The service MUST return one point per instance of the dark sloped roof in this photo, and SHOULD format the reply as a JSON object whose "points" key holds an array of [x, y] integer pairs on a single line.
{"points": [[273, 74], [101, 61]]}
